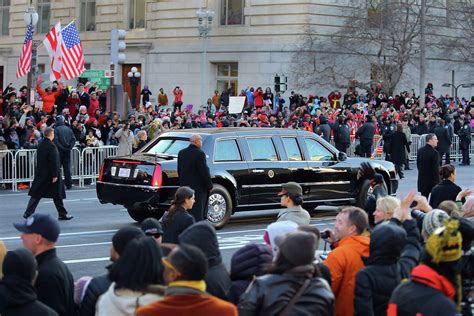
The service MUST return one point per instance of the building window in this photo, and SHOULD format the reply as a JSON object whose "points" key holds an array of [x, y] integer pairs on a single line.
{"points": [[44, 16], [227, 77], [87, 15], [376, 13], [232, 12], [4, 16], [137, 14]]}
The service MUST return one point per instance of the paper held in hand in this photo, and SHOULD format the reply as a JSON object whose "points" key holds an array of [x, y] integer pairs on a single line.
{"points": [[236, 105]]}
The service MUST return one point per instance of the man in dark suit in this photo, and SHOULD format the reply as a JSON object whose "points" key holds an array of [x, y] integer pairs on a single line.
{"points": [[366, 135], [194, 173], [444, 141], [47, 182], [427, 161], [54, 284]]}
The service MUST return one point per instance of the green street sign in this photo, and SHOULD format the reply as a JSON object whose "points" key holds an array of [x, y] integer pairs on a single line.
{"points": [[101, 77]]}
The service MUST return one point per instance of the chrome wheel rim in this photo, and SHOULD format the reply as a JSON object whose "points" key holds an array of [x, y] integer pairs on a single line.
{"points": [[216, 208]]}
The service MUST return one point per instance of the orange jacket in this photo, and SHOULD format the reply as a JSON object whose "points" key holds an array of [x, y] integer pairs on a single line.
{"points": [[49, 99], [344, 262]]}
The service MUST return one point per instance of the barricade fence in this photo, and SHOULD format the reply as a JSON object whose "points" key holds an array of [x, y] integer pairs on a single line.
{"points": [[19, 166]]}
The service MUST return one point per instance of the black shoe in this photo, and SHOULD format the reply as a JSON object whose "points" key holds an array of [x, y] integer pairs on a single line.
{"points": [[65, 217], [26, 215]]}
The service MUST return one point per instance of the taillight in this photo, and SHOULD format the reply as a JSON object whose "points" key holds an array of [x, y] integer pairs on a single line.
{"points": [[157, 178], [101, 173]]}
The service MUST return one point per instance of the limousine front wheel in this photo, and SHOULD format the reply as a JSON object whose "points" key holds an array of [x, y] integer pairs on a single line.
{"points": [[219, 206]]}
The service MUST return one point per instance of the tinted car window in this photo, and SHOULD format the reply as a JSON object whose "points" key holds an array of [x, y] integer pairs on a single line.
{"points": [[169, 146], [262, 149], [317, 152], [227, 150], [292, 149]]}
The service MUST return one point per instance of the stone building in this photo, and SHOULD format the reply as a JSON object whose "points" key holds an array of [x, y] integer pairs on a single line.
{"points": [[251, 41]]}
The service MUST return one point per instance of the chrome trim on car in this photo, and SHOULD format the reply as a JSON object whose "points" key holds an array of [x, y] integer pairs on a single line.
{"points": [[305, 202], [304, 184], [138, 186]]}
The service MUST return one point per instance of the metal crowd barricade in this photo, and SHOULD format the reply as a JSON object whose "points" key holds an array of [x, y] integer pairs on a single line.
{"points": [[25, 167], [75, 164], [91, 158], [7, 168]]}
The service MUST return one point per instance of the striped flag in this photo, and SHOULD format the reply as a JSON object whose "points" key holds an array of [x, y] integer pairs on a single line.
{"points": [[52, 43], [24, 64], [72, 53]]}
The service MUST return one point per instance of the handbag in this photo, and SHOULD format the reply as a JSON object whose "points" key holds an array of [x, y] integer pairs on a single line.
{"points": [[295, 298]]}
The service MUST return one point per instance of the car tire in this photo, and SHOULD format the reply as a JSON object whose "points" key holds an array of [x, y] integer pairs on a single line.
{"points": [[140, 215], [219, 206]]}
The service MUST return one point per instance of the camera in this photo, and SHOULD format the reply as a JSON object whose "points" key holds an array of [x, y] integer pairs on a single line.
{"points": [[325, 235]]}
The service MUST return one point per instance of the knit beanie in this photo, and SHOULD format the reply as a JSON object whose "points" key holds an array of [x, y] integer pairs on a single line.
{"points": [[124, 235], [433, 220]]}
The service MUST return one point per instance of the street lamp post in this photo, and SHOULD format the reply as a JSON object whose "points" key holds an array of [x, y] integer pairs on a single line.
{"points": [[31, 16], [134, 77], [205, 18], [456, 87]]}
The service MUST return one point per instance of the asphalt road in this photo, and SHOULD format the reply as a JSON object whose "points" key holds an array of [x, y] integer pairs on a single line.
{"points": [[85, 241]]}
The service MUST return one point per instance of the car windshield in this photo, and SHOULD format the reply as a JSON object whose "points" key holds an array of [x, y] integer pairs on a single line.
{"points": [[168, 146]]}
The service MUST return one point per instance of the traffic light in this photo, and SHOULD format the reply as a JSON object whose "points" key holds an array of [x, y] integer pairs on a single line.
{"points": [[280, 83], [117, 46]]}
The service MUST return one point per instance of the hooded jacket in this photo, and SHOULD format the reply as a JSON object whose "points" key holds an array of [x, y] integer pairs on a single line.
{"points": [[123, 302], [18, 298], [428, 293], [344, 262], [63, 135], [393, 254], [203, 236], [247, 262]]}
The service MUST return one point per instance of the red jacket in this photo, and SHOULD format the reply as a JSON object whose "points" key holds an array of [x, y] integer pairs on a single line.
{"points": [[258, 98], [93, 105], [49, 99]]}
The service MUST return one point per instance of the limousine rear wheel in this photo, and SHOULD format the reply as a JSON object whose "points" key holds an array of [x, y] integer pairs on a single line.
{"points": [[219, 207]]}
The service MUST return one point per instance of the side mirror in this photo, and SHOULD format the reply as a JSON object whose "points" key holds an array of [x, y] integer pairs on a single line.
{"points": [[341, 156]]}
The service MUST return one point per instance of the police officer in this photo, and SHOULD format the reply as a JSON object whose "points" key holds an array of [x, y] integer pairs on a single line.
{"points": [[342, 137], [465, 141], [388, 129]]}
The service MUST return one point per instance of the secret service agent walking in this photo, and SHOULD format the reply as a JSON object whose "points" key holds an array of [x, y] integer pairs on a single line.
{"points": [[194, 173], [47, 182]]}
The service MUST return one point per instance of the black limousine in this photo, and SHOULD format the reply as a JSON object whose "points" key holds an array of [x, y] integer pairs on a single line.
{"points": [[247, 166]]}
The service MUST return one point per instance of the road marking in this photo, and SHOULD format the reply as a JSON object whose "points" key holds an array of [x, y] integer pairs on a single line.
{"points": [[70, 234], [69, 191], [85, 245], [86, 260]]}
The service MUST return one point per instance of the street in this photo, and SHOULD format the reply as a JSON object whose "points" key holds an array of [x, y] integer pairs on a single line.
{"points": [[85, 241]]}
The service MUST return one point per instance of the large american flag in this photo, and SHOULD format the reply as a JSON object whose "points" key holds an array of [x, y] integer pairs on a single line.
{"points": [[24, 64], [72, 53]]}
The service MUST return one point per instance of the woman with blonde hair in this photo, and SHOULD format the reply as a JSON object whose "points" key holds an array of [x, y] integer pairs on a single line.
{"points": [[384, 209]]}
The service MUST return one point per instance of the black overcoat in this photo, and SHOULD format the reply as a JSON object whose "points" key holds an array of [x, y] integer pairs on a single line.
{"points": [[47, 167], [398, 144], [193, 170], [427, 162], [444, 141]]}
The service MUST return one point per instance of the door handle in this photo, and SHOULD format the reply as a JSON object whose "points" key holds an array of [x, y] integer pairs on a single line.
{"points": [[314, 169], [258, 171]]}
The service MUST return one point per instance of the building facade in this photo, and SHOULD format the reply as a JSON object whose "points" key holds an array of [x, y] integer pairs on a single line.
{"points": [[250, 42]]}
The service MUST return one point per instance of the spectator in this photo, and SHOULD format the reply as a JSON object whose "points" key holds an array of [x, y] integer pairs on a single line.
{"points": [[185, 268], [177, 219], [178, 99], [292, 286], [48, 96], [162, 98], [433, 285], [398, 148], [385, 207], [341, 134], [394, 250], [246, 263], [258, 99], [145, 93], [3, 252], [99, 285], [17, 292], [203, 236], [83, 96], [276, 229], [125, 138], [324, 129], [446, 189], [73, 103], [216, 100], [349, 246], [139, 267], [292, 199], [93, 104], [152, 228], [427, 161], [54, 284], [140, 140]]}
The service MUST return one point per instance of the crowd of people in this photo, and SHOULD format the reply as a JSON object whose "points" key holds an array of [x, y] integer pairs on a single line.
{"points": [[414, 259], [341, 117]]}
